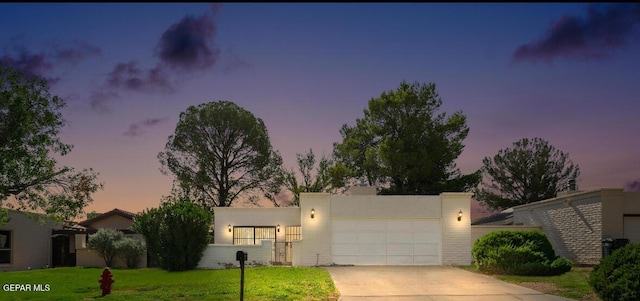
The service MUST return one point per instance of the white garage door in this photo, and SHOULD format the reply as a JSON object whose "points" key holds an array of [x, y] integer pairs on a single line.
{"points": [[386, 242], [632, 228]]}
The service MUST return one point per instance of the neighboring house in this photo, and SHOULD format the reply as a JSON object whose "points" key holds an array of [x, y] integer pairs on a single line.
{"points": [[77, 238], [357, 229], [496, 222], [502, 218], [25, 243], [576, 222]]}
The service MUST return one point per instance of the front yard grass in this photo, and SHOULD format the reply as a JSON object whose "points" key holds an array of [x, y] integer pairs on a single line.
{"points": [[260, 283], [573, 284]]}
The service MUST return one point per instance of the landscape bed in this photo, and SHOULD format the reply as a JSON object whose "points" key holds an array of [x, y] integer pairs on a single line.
{"points": [[261, 283]]}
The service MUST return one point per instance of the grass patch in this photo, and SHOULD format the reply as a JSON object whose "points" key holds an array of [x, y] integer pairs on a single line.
{"points": [[573, 284], [261, 283]]}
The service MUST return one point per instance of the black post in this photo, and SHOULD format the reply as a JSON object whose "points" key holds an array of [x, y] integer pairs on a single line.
{"points": [[241, 280], [242, 257]]}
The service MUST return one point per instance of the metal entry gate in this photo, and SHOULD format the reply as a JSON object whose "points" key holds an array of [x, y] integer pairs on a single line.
{"points": [[284, 249]]}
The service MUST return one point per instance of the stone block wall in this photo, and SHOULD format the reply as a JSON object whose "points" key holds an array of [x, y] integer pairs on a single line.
{"points": [[573, 224]]}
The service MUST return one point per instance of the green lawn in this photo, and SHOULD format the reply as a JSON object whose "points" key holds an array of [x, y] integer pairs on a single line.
{"points": [[573, 284], [261, 283]]}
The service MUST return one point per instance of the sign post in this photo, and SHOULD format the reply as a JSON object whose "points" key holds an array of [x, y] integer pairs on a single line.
{"points": [[242, 257]]}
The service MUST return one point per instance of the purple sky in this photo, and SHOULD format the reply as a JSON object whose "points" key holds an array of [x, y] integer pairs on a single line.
{"points": [[568, 73]]}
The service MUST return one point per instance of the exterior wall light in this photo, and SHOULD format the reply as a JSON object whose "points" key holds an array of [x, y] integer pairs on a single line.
{"points": [[313, 212], [229, 227], [460, 215], [278, 227]]}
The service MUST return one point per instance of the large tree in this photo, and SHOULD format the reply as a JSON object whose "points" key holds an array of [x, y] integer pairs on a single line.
{"points": [[531, 171], [220, 152], [318, 181], [404, 144], [176, 233], [30, 178]]}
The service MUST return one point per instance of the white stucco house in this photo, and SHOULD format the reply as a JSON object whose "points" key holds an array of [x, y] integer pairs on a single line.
{"points": [[361, 228]]}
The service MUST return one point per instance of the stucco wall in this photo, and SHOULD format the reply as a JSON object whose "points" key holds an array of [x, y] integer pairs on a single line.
{"points": [[288, 216], [386, 206], [220, 256], [315, 246], [616, 204], [30, 242], [572, 223], [456, 235]]}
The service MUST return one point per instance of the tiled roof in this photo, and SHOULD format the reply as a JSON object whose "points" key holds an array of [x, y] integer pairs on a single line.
{"points": [[502, 216], [116, 211]]}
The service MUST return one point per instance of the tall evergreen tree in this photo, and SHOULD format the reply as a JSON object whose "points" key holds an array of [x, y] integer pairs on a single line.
{"points": [[404, 144], [531, 171]]}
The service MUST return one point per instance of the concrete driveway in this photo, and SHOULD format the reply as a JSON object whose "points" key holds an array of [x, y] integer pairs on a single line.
{"points": [[437, 283]]}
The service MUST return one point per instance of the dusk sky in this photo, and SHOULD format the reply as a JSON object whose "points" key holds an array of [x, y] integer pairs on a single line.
{"points": [[568, 73]]}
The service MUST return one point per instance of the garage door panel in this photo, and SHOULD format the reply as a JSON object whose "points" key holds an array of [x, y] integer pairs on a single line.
{"points": [[425, 249], [399, 260], [427, 226], [386, 242], [399, 249], [345, 237], [425, 260], [371, 260], [371, 237], [345, 249], [399, 237], [371, 249], [345, 259], [430, 238]]}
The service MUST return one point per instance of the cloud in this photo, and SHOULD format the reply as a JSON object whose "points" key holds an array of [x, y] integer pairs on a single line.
{"points": [[188, 44], [32, 64], [99, 99], [605, 27], [43, 64], [136, 128], [131, 76], [80, 50], [633, 185]]}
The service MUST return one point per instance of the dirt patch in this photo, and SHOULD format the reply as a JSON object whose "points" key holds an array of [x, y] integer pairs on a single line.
{"points": [[543, 287]]}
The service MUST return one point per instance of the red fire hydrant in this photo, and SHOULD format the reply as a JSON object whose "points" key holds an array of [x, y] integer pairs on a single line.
{"points": [[106, 279]]}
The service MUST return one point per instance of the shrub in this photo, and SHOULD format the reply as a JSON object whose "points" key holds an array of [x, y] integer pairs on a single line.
{"points": [[176, 233], [129, 250], [104, 242], [617, 277], [561, 265], [518, 253]]}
